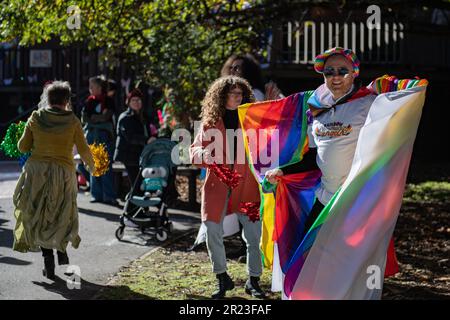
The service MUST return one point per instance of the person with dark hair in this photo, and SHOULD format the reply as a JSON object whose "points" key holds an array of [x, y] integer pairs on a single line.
{"points": [[132, 134], [247, 67], [45, 198], [98, 125]]}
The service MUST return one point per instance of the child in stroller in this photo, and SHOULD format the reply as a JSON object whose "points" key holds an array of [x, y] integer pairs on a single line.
{"points": [[153, 187]]}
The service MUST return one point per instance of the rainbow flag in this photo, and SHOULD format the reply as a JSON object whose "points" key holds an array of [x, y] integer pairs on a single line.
{"points": [[275, 135], [343, 255], [345, 248]]}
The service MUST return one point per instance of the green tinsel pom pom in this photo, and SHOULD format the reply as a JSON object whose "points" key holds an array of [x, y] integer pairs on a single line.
{"points": [[9, 143]]}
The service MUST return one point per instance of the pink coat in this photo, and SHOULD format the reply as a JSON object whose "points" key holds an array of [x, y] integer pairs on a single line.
{"points": [[214, 192]]}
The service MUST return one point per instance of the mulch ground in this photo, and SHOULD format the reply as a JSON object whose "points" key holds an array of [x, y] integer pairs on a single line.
{"points": [[422, 236]]}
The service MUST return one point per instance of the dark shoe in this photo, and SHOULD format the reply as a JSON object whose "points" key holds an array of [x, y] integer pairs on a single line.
{"points": [[224, 283], [62, 258], [252, 287], [49, 267], [93, 200]]}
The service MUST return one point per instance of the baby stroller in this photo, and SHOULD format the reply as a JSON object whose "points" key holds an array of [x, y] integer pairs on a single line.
{"points": [[154, 188]]}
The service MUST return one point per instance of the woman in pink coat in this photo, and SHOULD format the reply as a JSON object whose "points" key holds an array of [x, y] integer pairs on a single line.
{"points": [[219, 142]]}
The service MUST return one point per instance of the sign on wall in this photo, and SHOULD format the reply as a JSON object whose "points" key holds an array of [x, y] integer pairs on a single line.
{"points": [[40, 58]]}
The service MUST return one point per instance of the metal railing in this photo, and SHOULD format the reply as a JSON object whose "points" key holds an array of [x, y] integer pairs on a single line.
{"points": [[301, 41]]}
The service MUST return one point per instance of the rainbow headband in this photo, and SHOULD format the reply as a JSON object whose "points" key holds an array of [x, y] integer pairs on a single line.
{"points": [[319, 61]]}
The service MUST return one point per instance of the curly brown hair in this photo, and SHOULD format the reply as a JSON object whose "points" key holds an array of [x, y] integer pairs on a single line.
{"points": [[214, 103]]}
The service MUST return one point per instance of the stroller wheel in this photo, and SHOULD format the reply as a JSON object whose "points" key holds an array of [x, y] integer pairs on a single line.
{"points": [[119, 233], [161, 235]]}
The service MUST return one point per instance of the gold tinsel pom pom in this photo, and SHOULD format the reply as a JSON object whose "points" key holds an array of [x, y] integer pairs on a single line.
{"points": [[101, 159]]}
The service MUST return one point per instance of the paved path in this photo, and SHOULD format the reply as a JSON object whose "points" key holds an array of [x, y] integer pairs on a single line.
{"points": [[99, 256]]}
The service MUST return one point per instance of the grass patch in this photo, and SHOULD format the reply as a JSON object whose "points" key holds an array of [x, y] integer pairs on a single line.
{"points": [[173, 273], [428, 192], [422, 241]]}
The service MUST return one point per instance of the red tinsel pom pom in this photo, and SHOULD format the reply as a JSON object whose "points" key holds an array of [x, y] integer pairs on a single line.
{"points": [[227, 176], [251, 209]]}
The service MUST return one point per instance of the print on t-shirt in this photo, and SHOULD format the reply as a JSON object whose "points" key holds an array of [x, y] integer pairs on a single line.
{"points": [[333, 129]]}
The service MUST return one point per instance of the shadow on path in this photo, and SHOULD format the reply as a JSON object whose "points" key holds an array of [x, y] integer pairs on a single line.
{"points": [[87, 290]]}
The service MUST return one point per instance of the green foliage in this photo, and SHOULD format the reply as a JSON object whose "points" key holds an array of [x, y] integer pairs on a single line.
{"points": [[431, 192], [180, 44], [176, 43]]}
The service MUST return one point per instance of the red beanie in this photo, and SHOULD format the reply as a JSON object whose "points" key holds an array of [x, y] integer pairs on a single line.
{"points": [[134, 93]]}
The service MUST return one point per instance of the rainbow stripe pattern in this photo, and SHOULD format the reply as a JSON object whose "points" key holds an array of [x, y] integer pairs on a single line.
{"points": [[352, 233], [319, 61], [283, 125]]}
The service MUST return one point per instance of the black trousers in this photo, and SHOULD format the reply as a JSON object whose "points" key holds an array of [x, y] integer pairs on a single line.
{"points": [[315, 211], [49, 252]]}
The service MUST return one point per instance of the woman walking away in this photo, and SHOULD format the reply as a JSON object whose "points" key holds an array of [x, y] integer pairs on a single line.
{"points": [[45, 198]]}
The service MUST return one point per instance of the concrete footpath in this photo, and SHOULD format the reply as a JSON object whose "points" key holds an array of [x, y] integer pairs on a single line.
{"points": [[99, 257]]}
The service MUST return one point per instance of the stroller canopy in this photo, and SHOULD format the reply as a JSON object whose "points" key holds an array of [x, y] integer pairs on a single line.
{"points": [[158, 154]]}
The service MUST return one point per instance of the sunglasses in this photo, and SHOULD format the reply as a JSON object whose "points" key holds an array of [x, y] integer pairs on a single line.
{"points": [[329, 72]]}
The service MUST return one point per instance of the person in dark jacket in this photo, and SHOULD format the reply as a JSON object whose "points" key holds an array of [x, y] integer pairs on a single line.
{"points": [[132, 135]]}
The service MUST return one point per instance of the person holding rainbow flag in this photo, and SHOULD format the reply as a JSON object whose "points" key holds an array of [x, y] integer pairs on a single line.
{"points": [[327, 224]]}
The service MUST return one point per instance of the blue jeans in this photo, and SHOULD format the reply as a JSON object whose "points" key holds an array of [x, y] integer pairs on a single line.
{"points": [[102, 188]]}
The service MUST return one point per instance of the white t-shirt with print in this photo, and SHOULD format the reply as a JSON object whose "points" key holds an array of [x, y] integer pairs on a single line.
{"points": [[336, 134]]}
